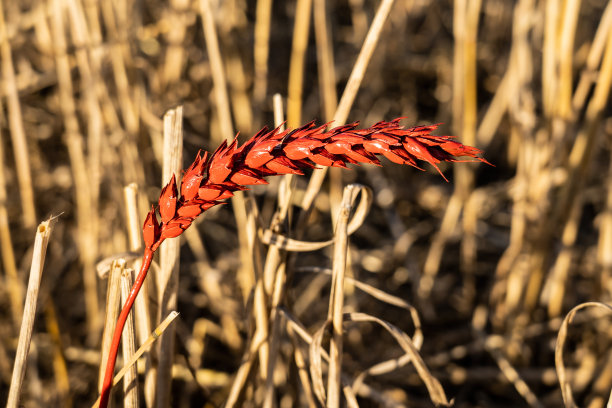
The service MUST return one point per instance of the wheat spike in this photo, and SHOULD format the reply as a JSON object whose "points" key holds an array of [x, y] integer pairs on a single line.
{"points": [[210, 180]]}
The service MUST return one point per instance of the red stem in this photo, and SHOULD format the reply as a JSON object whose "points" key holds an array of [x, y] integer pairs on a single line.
{"points": [[125, 311]]}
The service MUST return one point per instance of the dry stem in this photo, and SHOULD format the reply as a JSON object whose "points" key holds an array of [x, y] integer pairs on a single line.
{"points": [[168, 277], [337, 297], [43, 232], [128, 340]]}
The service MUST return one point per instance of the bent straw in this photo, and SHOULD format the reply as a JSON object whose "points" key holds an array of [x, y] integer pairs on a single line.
{"points": [[43, 232], [564, 381]]}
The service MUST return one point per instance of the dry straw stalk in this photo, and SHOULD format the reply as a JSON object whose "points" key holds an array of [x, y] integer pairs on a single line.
{"points": [[130, 381], [43, 232], [168, 278], [113, 296], [337, 298]]}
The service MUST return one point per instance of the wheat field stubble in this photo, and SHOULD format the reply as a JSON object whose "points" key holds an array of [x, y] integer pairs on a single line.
{"points": [[374, 286]]}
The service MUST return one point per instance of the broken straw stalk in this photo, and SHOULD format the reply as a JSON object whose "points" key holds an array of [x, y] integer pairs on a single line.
{"points": [[210, 180]]}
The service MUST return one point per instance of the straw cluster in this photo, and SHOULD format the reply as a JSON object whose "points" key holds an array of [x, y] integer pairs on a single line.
{"points": [[210, 180]]}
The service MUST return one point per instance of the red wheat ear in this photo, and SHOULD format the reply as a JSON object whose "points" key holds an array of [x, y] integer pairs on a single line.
{"points": [[210, 180], [231, 168]]}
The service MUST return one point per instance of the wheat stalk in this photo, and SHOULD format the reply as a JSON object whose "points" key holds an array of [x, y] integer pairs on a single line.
{"points": [[211, 179]]}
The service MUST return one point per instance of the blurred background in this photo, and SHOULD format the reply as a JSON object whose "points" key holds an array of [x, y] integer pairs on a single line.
{"points": [[492, 261]]}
